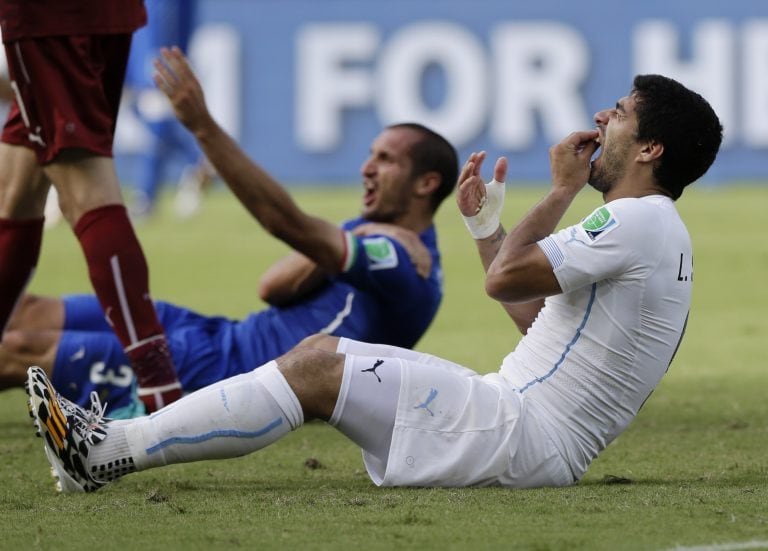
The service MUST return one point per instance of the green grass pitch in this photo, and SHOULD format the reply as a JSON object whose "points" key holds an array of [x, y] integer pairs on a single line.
{"points": [[692, 470]]}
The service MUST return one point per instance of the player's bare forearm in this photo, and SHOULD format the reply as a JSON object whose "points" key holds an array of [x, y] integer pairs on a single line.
{"points": [[521, 272], [489, 247], [271, 204], [264, 197], [290, 279], [524, 313]]}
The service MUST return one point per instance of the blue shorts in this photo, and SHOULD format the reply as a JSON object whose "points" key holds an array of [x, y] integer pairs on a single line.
{"points": [[90, 358]]}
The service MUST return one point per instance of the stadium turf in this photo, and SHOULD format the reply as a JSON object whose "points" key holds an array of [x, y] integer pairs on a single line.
{"points": [[692, 470]]}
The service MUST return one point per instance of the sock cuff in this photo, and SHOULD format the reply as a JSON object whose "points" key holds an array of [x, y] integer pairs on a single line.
{"points": [[269, 375], [136, 445], [94, 215]]}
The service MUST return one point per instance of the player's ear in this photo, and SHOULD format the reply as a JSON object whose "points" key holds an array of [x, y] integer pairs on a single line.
{"points": [[650, 151], [427, 183]]}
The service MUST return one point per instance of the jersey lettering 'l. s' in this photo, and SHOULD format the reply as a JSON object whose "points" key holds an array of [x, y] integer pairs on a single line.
{"points": [[596, 352]]}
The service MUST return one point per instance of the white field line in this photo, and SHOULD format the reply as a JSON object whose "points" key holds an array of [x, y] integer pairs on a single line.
{"points": [[734, 546]]}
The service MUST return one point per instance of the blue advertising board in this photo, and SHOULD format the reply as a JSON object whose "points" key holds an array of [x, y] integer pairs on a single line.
{"points": [[304, 85]]}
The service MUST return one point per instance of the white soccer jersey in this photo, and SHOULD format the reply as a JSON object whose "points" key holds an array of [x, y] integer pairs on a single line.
{"points": [[596, 352]]}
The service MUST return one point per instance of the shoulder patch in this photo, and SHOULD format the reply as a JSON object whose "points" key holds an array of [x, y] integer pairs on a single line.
{"points": [[381, 253], [599, 223]]}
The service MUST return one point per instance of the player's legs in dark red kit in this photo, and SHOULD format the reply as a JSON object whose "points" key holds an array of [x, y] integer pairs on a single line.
{"points": [[82, 77]]}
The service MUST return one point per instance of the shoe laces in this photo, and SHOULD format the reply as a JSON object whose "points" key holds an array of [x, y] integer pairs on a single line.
{"points": [[96, 415], [88, 422]]}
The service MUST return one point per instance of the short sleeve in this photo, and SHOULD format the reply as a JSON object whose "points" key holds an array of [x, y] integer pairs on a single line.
{"points": [[611, 242], [380, 265]]}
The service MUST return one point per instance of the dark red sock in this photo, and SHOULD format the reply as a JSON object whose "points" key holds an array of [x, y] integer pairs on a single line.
{"points": [[20, 242], [120, 277], [118, 272]]}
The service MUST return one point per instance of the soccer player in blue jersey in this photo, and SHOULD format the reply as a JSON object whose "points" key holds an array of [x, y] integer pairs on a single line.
{"points": [[377, 278], [168, 22]]}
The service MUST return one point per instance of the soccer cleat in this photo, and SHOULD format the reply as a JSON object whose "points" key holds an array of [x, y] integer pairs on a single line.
{"points": [[153, 366], [69, 433]]}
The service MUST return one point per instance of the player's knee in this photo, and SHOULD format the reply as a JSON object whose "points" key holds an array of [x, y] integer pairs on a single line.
{"points": [[315, 377], [312, 365], [26, 303], [37, 313], [14, 342], [319, 341], [29, 347]]}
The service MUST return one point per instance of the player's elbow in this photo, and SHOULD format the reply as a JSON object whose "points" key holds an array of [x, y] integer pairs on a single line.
{"points": [[521, 278], [506, 286], [264, 291], [271, 292], [497, 288]]}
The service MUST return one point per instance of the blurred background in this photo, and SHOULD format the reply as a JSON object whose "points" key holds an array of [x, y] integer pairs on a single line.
{"points": [[304, 85]]}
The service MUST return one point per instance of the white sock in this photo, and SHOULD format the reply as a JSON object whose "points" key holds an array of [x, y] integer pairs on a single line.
{"points": [[231, 418], [111, 458]]}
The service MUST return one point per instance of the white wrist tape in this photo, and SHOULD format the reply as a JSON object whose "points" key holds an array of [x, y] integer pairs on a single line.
{"points": [[488, 218]]}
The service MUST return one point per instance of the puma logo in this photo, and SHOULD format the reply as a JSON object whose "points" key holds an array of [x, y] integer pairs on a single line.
{"points": [[373, 369], [425, 404]]}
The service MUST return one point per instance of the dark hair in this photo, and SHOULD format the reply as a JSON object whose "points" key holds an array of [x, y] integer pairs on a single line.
{"points": [[433, 153], [683, 122]]}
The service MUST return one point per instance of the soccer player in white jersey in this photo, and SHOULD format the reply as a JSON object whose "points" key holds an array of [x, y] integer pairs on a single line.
{"points": [[603, 305]]}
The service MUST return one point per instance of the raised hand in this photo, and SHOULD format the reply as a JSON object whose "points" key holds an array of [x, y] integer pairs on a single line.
{"points": [[175, 78], [570, 159], [479, 203]]}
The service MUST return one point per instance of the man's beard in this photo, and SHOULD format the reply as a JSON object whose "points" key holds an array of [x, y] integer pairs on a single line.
{"points": [[387, 214], [599, 180], [603, 176], [390, 209], [380, 217]]}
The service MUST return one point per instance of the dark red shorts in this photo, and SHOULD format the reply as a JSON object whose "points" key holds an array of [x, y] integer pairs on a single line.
{"points": [[67, 92]]}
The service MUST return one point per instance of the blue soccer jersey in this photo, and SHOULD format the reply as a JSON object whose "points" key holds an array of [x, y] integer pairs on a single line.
{"points": [[169, 23], [378, 297]]}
